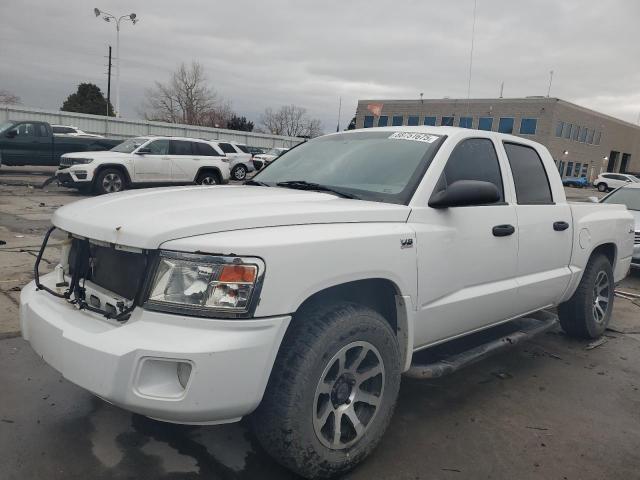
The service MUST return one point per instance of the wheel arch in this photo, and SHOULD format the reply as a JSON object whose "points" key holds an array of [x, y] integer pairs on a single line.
{"points": [[608, 249], [206, 169], [115, 166], [380, 294]]}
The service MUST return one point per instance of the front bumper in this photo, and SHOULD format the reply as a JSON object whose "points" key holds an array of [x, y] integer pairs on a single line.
{"points": [[73, 179], [133, 365]]}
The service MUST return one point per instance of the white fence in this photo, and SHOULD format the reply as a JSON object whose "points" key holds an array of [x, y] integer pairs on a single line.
{"points": [[124, 128]]}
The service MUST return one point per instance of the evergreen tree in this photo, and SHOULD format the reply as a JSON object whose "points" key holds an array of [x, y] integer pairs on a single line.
{"points": [[88, 99]]}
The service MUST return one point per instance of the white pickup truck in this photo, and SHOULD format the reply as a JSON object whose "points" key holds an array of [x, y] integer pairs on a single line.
{"points": [[303, 296]]}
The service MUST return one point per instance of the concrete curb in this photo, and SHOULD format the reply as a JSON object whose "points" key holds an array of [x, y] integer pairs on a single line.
{"points": [[7, 335]]}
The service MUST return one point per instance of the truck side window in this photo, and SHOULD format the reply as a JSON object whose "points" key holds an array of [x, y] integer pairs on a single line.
{"points": [[529, 175], [159, 147], [26, 130], [472, 159]]}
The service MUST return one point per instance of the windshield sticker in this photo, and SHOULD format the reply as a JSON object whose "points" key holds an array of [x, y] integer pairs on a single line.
{"points": [[416, 137]]}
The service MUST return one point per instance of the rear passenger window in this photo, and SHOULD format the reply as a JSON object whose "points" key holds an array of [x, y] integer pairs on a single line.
{"points": [[529, 175], [180, 147], [205, 149], [227, 148], [473, 159]]}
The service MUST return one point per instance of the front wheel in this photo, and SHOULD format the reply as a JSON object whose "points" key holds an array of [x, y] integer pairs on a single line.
{"points": [[110, 180], [587, 313], [332, 390], [602, 187]]}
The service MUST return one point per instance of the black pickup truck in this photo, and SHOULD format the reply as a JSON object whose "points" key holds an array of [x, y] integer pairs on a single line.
{"points": [[29, 142]]}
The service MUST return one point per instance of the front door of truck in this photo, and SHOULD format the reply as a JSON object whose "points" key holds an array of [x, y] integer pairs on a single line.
{"points": [[154, 165], [467, 256], [545, 230]]}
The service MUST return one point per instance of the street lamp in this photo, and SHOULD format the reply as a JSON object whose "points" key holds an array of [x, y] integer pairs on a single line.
{"points": [[107, 17]]}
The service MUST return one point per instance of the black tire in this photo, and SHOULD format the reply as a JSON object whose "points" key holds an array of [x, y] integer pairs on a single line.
{"points": [[602, 187], [285, 422], [239, 172], [208, 178], [110, 180], [580, 316]]}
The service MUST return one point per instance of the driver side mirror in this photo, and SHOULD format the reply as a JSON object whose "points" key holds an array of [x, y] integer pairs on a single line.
{"points": [[464, 193], [142, 151], [11, 133]]}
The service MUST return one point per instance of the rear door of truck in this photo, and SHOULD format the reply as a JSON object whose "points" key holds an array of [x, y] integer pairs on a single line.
{"points": [[545, 230]]}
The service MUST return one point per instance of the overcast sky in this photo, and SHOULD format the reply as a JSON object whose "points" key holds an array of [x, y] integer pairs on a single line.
{"points": [[267, 53]]}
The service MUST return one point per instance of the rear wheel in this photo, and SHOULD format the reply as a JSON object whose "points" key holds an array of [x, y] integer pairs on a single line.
{"points": [[239, 172], [587, 313], [602, 187], [110, 180], [208, 178], [332, 391]]}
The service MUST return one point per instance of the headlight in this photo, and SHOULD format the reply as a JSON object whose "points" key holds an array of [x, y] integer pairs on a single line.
{"points": [[79, 161], [204, 285]]}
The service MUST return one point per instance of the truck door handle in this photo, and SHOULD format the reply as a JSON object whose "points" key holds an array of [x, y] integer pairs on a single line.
{"points": [[503, 230], [559, 226]]}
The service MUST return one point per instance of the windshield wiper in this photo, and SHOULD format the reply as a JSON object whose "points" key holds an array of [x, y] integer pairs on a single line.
{"points": [[256, 182], [304, 185]]}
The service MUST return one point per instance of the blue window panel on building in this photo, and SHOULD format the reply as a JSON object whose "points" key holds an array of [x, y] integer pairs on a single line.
{"points": [[528, 126], [397, 120], [485, 123], [583, 134], [383, 121], [368, 121], [559, 127], [466, 122], [505, 125], [413, 121], [569, 169], [430, 121], [446, 121]]}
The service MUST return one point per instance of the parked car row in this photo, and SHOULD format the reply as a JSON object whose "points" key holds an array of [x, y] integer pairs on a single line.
{"points": [[152, 160]]}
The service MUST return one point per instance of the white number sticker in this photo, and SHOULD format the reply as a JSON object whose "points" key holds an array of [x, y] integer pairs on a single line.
{"points": [[415, 136]]}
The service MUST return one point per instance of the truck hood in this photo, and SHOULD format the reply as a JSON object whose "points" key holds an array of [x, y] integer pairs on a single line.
{"points": [[147, 218]]}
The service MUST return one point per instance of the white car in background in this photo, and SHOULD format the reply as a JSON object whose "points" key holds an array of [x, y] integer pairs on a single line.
{"points": [[240, 159], [629, 195], [145, 161], [266, 158], [609, 181], [71, 131]]}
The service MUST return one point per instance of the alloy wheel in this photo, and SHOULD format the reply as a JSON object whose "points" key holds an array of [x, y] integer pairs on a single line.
{"points": [[112, 182], [601, 296], [348, 395]]}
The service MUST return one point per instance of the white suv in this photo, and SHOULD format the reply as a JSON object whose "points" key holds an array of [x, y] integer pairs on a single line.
{"points": [[609, 181], [240, 159], [145, 161]]}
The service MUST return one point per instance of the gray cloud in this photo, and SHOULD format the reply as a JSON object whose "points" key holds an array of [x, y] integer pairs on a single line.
{"points": [[269, 53]]}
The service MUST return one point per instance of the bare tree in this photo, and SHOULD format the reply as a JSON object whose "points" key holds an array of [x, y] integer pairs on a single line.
{"points": [[290, 120], [9, 98], [186, 98]]}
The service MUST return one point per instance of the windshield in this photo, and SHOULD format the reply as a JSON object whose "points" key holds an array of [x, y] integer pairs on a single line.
{"points": [[130, 145], [625, 196], [633, 178], [5, 126], [378, 166]]}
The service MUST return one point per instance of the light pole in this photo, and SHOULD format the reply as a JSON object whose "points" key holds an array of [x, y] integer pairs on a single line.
{"points": [[107, 17]]}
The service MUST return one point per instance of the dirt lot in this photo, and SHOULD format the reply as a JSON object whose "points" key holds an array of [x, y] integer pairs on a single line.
{"points": [[548, 409]]}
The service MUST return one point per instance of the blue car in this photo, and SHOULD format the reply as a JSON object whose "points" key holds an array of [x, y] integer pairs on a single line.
{"points": [[579, 182]]}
